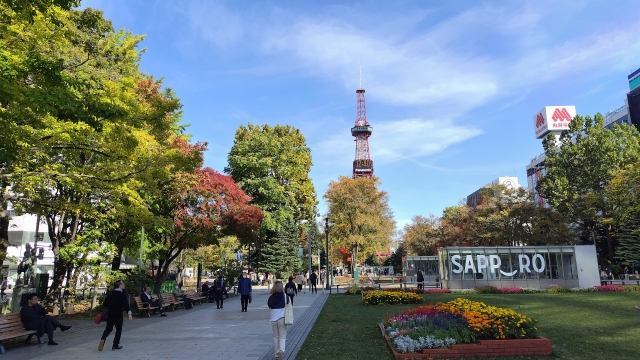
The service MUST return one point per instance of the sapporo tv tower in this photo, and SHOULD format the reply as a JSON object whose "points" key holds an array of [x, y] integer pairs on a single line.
{"points": [[362, 165]]}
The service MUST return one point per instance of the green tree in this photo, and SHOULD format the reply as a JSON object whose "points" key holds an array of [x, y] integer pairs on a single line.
{"points": [[361, 216], [84, 121], [623, 193], [272, 164], [580, 165], [280, 256], [422, 236]]}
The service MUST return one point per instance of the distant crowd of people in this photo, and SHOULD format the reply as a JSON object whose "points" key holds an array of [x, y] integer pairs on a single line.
{"points": [[116, 306]]}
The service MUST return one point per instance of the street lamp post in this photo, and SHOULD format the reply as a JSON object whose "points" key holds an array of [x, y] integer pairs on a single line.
{"points": [[310, 258], [326, 230]]}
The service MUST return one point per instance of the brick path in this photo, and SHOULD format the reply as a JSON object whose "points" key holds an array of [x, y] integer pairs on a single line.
{"points": [[201, 333], [297, 333]]}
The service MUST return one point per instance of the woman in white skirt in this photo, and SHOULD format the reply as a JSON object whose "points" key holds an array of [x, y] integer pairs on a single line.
{"points": [[277, 305]]}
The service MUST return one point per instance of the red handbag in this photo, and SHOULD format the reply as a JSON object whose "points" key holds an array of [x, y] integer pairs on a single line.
{"points": [[98, 318]]}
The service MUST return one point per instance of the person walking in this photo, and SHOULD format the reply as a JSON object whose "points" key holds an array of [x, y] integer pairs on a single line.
{"points": [[277, 305], [3, 287], [244, 289], [116, 303], [313, 278], [290, 289], [219, 292], [299, 281], [420, 280], [34, 317]]}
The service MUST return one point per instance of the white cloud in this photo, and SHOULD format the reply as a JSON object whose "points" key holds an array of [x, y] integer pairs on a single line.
{"points": [[215, 22], [396, 140]]}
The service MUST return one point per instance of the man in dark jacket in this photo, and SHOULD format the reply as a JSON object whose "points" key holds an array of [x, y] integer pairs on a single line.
{"points": [[34, 317], [244, 289], [313, 278], [116, 303], [147, 298], [420, 279]]}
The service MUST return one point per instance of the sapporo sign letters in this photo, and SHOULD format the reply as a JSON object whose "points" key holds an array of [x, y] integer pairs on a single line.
{"points": [[493, 262]]}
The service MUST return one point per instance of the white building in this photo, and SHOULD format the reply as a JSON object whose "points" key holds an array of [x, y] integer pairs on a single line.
{"points": [[22, 231], [618, 116], [511, 182]]}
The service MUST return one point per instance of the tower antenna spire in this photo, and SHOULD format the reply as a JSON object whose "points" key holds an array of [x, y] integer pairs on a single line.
{"points": [[362, 165], [360, 67]]}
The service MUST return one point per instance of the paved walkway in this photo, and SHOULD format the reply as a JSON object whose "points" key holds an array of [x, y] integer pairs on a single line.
{"points": [[201, 333]]}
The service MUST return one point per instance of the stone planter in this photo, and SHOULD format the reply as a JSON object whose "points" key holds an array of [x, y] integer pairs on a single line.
{"points": [[513, 347]]}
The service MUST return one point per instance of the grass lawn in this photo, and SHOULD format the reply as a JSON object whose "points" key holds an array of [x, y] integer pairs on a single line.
{"points": [[580, 325]]}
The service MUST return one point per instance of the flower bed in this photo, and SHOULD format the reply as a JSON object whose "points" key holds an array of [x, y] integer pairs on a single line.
{"points": [[437, 291], [391, 297], [609, 288], [460, 321]]}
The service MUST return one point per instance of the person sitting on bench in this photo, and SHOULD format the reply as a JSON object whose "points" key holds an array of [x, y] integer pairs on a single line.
{"points": [[177, 292], [34, 317], [146, 298]]}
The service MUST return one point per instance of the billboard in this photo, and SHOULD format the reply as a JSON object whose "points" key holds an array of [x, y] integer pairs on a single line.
{"points": [[553, 118], [363, 166]]}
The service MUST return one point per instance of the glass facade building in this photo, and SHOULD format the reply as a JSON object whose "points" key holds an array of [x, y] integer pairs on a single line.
{"points": [[517, 266]]}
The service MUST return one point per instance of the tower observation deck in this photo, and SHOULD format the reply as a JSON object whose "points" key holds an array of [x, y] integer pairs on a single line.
{"points": [[362, 165]]}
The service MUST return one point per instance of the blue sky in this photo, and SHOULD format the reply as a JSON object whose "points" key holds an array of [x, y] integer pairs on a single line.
{"points": [[451, 87]]}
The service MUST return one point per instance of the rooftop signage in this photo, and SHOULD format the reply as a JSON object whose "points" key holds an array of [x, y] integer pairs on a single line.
{"points": [[553, 119], [493, 262]]}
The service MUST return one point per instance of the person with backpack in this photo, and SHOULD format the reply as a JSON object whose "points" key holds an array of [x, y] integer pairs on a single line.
{"points": [[219, 292], [290, 289]]}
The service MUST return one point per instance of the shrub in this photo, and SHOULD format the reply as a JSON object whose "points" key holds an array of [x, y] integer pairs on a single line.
{"points": [[533, 290], [558, 289], [587, 289], [391, 297], [608, 288], [511, 290], [464, 291], [487, 290], [631, 288], [353, 290]]}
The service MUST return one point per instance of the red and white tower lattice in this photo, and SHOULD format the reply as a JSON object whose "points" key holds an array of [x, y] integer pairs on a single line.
{"points": [[362, 165]]}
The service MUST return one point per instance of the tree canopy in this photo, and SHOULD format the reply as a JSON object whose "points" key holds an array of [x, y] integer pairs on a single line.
{"points": [[580, 165], [361, 218], [272, 165]]}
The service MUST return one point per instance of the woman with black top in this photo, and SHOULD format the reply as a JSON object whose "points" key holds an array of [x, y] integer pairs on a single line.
{"points": [[290, 289]]}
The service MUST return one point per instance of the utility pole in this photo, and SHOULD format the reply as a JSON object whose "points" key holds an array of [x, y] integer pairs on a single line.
{"points": [[310, 258], [326, 230]]}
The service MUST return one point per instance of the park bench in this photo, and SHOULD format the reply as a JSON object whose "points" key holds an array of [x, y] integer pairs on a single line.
{"points": [[191, 294], [163, 303], [144, 307], [11, 327], [170, 300]]}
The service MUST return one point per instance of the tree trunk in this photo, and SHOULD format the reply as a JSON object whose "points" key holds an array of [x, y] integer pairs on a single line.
{"points": [[53, 296], [4, 234], [610, 243], [115, 263]]}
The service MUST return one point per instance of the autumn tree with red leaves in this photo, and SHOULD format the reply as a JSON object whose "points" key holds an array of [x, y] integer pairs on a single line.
{"points": [[196, 208]]}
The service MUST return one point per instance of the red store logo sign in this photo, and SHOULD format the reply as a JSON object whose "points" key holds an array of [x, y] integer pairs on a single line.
{"points": [[539, 120], [559, 115]]}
